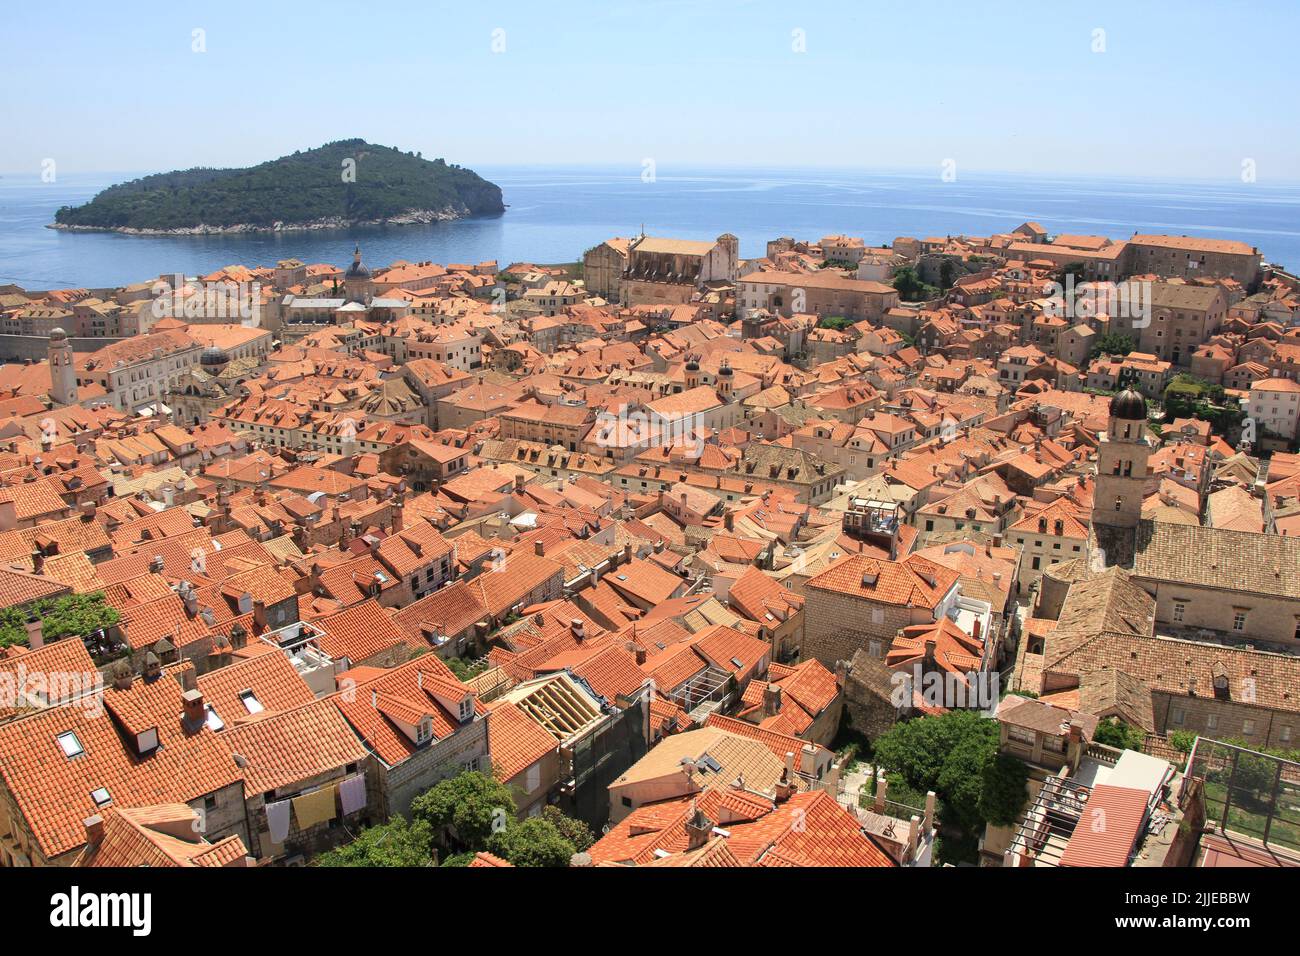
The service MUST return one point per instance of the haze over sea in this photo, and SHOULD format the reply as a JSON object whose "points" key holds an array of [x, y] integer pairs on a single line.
{"points": [[555, 214]]}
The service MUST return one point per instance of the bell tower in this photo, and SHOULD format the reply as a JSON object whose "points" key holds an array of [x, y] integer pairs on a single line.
{"points": [[356, 281], [1122, 454], [63, 369]]}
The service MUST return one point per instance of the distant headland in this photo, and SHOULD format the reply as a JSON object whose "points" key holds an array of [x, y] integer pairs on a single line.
{"points": [[346, 183]]}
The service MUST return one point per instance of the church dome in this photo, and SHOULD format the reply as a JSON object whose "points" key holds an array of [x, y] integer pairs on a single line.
{"points": [[58, 335], [1129, 406], [357, 270], [213, 355]]}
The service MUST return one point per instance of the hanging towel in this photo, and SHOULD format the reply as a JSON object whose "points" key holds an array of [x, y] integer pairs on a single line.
{"points": [[277, 819], [315, 807], [352, 793]]}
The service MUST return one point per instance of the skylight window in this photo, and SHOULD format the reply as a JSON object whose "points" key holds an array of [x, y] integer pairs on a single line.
{"points": [[737, 662], [251, 703], [101, 796], [71, 745], [214, 721]]}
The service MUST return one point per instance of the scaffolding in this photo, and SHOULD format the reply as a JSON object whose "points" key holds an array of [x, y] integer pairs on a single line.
{"points": [[708, 686], [1049, 823]]}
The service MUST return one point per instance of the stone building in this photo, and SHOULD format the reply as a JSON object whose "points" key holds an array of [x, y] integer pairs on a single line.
{"points": [[822, 294], [1187, 257], [673, 270], [861, 603], [603, 267]]}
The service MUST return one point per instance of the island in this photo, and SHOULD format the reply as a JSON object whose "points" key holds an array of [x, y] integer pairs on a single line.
{"points": [[345, 183]]}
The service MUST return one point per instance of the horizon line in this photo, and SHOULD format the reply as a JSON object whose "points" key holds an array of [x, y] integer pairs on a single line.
{"points": [[633, 170]]}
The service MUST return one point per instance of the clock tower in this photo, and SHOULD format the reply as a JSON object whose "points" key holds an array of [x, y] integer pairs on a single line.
{"points": [[1122, 455]]}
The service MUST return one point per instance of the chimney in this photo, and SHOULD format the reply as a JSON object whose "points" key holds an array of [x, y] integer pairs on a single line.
{"points": [[35, 633], [38, 561], [192, 704], [785, 788], [519, 483], [771, 700], [978, 628], [930, 645], [539, 548], [698, 830], [1076, 730], [190, 598], [640, 656], [882, 789], [94, 831], [575, 628], [808, 760], [156, 564], [87, 511]]}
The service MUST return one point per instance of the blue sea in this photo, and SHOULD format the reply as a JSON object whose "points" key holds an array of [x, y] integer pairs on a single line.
{"points": [[555, 214]]}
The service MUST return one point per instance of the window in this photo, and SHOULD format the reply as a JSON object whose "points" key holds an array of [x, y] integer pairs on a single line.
{"points": [[1180, 608], [1247, 727], [250, 701], [466, 708], [1284, 734], [214, 722], [101, 796], [1021, 734], [627, 801], [1178, 716], [1212, 722], [1239, 620], [70, 744]]}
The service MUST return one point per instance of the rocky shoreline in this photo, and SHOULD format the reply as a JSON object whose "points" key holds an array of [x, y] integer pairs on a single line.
{"points": [[411, 217]]}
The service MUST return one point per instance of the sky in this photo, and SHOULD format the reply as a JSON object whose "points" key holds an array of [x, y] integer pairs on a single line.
{"points": [[1168, 90]]}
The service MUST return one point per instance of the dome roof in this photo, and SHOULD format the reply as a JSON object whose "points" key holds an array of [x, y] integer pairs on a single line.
{"points": [[1129, 406], [213, 355], [357, 270], [57, 335]]}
